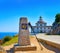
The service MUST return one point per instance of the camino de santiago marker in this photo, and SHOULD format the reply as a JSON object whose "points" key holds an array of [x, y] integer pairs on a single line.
{"points": [[24, 43], [23, 32]]}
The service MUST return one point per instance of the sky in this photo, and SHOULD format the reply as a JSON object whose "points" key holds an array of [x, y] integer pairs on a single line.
{"points": [[12, 10]]}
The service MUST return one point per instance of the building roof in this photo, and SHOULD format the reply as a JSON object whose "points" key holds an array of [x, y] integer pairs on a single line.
{"points": [[40, 20]]}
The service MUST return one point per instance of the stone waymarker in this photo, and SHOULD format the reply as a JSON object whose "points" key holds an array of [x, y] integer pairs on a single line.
{"points": [[23, 32], [24, 43]]}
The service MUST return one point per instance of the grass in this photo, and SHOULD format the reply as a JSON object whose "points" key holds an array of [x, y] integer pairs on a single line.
{"points": [[12, 41]]}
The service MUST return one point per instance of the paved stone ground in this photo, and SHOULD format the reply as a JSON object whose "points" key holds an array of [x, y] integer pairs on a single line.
{"points": [[46, 48], [50, 48], [2, 50], [52, 38]]}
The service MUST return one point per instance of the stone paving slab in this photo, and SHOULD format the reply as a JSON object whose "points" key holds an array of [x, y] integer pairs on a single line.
{"points": [[52, 38]]}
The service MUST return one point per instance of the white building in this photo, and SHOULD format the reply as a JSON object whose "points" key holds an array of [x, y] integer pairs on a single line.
{"points": [[41, 27]]}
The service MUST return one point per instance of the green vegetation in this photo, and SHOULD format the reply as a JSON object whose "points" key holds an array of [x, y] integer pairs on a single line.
{"points": [[6, 38], [48, 34], [57, 18], [58, 22], [12, 41]]}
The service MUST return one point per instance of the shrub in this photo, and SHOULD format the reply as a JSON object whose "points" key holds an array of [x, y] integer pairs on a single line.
{"points": [[6, 38], [48, 34]]}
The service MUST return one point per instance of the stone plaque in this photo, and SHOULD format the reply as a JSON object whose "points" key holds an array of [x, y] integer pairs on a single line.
{"points": [[23, 38]]}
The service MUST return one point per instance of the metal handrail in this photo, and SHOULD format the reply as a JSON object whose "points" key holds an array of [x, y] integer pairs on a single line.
{"points": [[35, 34]]}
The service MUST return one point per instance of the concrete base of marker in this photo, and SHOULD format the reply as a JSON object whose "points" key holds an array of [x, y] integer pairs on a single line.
{"points": [[25, 48]]}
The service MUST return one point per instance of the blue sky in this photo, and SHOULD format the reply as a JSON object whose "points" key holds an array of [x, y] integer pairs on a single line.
{"points": [[12, 10]]}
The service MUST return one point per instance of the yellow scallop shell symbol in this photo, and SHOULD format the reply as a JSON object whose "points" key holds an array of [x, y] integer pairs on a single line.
{"points": [[23, 26]]}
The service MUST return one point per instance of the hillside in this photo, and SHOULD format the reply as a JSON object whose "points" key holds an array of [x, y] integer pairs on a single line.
{"points": [[13, 40]]}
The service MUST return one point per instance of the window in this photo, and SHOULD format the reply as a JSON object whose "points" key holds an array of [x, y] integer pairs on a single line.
{"points": [[40, 24]]}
